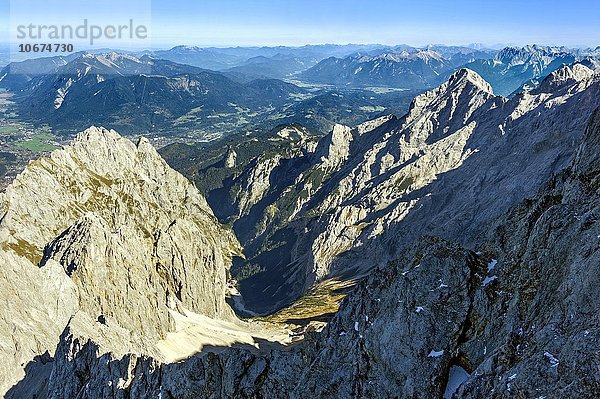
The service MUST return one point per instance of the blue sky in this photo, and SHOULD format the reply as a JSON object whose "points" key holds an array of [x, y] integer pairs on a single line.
{"points": [[260, 22]]}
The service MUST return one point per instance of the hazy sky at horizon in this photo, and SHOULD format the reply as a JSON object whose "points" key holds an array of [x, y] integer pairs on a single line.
{"points": [[279, 22]]}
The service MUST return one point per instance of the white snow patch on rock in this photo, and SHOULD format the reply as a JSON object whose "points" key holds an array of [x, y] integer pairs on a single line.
{"points": [[456, 377], [553, 361], [434, 353], [488, 280]]}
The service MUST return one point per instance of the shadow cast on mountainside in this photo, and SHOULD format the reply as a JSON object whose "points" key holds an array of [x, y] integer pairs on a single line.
{"points": [[462, 204], [264, 346], [34, 384]]}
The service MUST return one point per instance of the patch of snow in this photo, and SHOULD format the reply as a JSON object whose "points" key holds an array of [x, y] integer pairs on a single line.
{"points": [[488, 280], [501, 129], [434, 353], [492, 264], [456, 377], [512, 377], [419, 309], [356, 325], [553, 361]]}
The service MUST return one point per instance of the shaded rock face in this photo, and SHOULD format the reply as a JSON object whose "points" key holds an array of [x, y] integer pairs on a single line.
{"points": [[520, 318], [105, 229], [539, 318], [397, 334]]}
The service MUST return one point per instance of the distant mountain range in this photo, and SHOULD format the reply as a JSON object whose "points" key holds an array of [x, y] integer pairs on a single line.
{"points": [[225, 58], [404, 69], [516, 68], [172, 91], [507, 71], [146, 94], [139, 93]]}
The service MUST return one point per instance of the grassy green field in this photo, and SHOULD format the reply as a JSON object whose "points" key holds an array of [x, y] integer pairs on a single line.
{"points": [[8, 129], [37, 143]]}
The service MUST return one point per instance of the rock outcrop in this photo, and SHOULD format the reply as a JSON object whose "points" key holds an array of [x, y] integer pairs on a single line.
{"points": [[566, 74], [374, 347], [105, 228], [534, 329]]}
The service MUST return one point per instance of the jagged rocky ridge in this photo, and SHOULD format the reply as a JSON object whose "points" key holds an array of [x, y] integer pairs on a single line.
{"points": [[508, 71], [514, 69], [448, 293], [312, 214], [519, 318], [104, 235]]}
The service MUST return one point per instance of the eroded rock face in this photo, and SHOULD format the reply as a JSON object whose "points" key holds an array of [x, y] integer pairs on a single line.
{"points": [[535, 330], [36, 305], [107, 229]]}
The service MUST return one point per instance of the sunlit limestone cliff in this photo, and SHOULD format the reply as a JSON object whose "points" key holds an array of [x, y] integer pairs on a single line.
{"points": [[105, 231]]}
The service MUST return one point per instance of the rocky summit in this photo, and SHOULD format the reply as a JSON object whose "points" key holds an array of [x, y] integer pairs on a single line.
{"points": [[105, 230], [467, 228]]}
